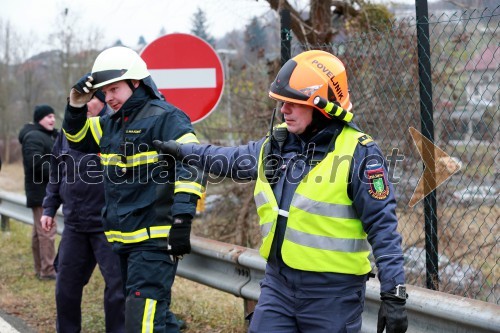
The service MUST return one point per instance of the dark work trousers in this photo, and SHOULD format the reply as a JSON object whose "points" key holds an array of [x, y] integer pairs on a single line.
{"points": [[282, 308], [149, 277], [76, 259]]}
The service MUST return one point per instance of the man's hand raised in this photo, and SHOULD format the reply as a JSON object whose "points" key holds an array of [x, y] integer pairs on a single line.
{"points": [[81, 93]]}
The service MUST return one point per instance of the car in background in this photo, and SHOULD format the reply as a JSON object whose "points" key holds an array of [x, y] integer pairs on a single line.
{"points": [[476, 194]]}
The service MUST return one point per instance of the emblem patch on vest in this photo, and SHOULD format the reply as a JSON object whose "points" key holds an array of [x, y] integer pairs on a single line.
{"points": [[378, 186]]}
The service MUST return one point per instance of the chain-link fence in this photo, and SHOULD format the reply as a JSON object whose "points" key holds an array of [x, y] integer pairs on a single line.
{"points": [[385, 80]]}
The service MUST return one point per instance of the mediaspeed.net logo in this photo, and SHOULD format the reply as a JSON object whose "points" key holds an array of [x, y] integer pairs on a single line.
{"points": [[438, 167]]}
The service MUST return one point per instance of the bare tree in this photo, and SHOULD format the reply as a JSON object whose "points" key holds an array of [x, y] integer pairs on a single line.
{"points": [[317, 28], [46, 77], [77, 48], [5, 124], [11, 114]]}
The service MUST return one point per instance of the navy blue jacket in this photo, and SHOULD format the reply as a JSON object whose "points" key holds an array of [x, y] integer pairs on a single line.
{"points": [[76, 182], [140, 197], [299, 155]]}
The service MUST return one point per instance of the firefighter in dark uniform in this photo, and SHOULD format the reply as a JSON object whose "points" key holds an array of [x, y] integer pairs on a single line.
{"points": [[149, 201], [323, 198]]}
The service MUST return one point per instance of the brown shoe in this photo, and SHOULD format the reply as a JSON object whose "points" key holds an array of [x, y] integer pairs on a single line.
{"points": [[47, 277]]}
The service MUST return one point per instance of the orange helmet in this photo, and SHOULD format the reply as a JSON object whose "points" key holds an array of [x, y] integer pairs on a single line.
{"points": [[310, 75]]}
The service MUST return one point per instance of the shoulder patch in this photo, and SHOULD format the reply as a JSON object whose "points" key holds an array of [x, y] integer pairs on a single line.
{"points": [[379, 188], [365, 139]]}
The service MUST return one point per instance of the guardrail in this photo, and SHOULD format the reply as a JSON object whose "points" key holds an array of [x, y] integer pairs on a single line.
{"points": [[237, 270]]}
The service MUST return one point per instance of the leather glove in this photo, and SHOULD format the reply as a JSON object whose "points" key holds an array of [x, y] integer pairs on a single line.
{"points": [[179, 238], [81, 93], [171, 148], [392, 314]]}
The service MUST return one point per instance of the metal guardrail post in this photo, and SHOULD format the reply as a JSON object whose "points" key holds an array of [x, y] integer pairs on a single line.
{"points": [[13, 205], [251, 291], [5, 223]]}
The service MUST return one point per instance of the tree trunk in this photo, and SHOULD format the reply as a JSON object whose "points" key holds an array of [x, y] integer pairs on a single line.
{"points": [[6, 149]]}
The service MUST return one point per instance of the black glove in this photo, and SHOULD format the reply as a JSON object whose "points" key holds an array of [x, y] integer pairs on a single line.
{"points": [[392, 314], [179, 238], [171, 148], [81, 93]]}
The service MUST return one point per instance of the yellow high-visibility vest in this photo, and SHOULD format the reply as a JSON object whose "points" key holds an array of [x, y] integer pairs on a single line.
{"points": [[323, 232]]}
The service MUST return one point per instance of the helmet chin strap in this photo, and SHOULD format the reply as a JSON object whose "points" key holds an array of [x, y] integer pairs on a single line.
{"points": [[318, 122], [131, 85]]}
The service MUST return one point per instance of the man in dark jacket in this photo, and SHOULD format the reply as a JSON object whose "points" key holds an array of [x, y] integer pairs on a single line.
{"points": [[76, 183], [148, 205], [37, 139]]}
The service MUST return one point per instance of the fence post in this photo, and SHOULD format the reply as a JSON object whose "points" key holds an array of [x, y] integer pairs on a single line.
{"points": [[286, 36], [427, 124]]}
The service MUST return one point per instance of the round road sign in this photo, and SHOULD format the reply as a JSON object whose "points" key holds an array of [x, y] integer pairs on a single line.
{"points": [[187, 71]]}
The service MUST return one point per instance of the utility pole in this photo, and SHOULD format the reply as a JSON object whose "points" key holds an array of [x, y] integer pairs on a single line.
{"points": [[227, 85]]}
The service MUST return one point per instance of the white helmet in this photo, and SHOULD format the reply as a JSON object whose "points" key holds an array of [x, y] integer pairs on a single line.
{"points": [[116, 64]]}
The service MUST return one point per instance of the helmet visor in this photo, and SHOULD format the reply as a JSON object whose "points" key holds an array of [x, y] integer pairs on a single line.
{"points": [[281, 85], [108, 75]]}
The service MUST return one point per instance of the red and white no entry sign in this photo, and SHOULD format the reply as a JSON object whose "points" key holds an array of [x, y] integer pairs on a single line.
{"points": [[187, 71]]}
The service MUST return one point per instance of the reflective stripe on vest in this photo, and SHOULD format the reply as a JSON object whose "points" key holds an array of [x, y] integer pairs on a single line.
{"points": [[323, 208], [323, 232], [137, 159], [149, 316], [94, 124], [189, 187], [139, 235], [131, 161], [78, 136], [95, 128], [188, 138]]}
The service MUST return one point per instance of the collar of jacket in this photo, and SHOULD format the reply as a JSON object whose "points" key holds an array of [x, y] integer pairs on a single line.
{"points": [[323, 137], [106, 110]]}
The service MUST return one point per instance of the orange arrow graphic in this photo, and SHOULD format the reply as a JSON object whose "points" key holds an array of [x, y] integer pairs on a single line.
{"points": [[439, 166]]}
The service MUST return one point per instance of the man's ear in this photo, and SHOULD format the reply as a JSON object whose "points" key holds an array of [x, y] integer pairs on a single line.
{"points": [[136, 83]]}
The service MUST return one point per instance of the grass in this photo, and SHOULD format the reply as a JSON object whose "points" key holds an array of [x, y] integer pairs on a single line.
{"points": [[22, 295]]}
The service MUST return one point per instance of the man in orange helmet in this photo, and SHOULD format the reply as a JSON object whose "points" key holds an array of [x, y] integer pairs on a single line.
{"points": [[324, 204]]}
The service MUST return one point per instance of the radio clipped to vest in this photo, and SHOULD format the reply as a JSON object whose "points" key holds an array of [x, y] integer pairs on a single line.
{"points": [[272, 161]]}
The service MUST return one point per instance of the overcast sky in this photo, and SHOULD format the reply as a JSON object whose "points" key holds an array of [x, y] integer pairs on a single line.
{"points": [[129, 19]]}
